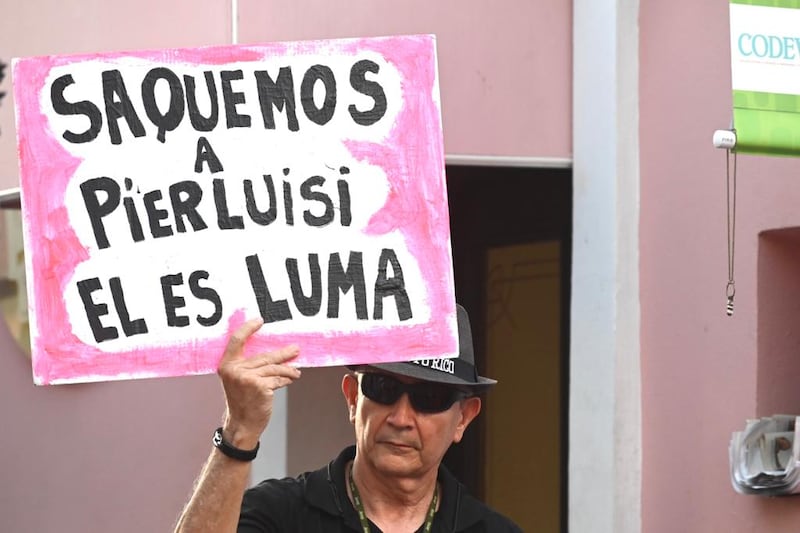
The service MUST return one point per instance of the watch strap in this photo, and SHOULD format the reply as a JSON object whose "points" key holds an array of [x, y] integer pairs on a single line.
{"points": [[232, 451]]}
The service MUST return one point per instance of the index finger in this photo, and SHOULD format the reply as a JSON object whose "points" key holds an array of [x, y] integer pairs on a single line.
{"points": [[235, 347]]}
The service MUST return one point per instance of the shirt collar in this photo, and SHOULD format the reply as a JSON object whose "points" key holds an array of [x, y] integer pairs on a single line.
{"points": [[326, 490]]}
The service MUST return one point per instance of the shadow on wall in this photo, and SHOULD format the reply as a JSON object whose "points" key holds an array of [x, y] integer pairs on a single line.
{"points": [[778, 335]]}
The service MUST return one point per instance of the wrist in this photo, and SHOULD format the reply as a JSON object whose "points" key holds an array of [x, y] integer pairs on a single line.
{"points": [[239, 434], [240, 437], [233, 450]]}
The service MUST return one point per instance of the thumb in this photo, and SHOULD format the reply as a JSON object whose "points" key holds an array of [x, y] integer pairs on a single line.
{"points": [[235, 347]]}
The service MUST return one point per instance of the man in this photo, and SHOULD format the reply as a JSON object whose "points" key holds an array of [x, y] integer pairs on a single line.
{"points": [[406, 416]]}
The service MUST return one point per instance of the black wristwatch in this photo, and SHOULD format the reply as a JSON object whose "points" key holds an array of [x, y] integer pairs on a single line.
{"points": [[232, 451]]}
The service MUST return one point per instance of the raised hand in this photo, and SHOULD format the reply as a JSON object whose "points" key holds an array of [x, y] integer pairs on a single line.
{"points": [[250, 385]]}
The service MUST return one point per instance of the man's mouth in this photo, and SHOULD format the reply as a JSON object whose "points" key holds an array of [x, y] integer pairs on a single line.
{"points": [[398, 444]]}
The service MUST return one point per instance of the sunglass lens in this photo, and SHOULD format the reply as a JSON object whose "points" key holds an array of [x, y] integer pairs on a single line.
{"points": [[432, 398], [424, 397], [381, 388]]}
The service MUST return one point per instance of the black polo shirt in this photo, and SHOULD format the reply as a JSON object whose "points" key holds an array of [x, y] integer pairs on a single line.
{"points": [[317, 501]]}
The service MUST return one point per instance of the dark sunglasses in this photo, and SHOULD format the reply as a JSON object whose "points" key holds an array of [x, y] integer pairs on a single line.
{"points": [[424, 397]]}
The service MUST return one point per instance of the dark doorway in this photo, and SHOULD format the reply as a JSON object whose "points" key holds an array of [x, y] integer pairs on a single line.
{"points": [[511, 236]]}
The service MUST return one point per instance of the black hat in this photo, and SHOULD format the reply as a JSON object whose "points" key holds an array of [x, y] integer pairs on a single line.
{"points": [[459, 371]]}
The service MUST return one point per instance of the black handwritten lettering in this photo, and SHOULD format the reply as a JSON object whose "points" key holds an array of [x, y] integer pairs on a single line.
{"points": [[84, 107], [308, 290], [129, 327], [200, 122], [323, 114], [185, 196], [173, 302], [133, 216], [119, 105], [262, 218], [344, 198], [224, 218], [156, 215], [288, 202], [343, 280], [278, 94], [97, 209], [205, 154], [232, 99], [169, 120], [360, 83], [271, 310], [274, 94], [178, 208], [95, 310], [391, 286], [308, 193], [205, 293], [307, 305]]}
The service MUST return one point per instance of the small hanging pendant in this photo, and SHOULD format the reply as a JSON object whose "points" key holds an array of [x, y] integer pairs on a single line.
{"points": [[730, 189], [730, 291]]}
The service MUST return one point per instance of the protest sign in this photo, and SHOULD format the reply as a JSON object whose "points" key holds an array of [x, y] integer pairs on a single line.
{"points": [[169, 195]]}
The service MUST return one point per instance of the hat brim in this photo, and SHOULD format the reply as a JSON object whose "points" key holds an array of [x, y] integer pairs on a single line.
{"points": [[422, 373]]}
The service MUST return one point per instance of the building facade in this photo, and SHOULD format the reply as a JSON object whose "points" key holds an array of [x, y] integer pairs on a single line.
{"points": [[638, 377]]}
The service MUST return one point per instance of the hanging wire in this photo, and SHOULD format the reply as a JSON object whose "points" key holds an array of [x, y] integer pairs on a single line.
{"points": [[730, 189]]}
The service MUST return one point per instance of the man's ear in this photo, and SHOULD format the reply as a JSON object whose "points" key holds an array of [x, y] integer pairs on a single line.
{"points": [[350, 392], [470, 407]]}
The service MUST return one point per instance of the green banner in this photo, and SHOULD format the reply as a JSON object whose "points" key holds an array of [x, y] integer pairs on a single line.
{"points": [[765, 62], [793, 4], [767, 123]]}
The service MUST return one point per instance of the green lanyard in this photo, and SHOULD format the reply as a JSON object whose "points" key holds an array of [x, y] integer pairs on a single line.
{"points": [[362, 516]]}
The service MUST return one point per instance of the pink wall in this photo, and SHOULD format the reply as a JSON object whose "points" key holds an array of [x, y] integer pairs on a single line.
{"points": [[116, 457], [316, 407], [699, 367], [113, 456], [44, 27], [505, 66]]}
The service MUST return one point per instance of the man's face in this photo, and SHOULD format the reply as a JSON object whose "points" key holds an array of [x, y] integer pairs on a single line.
{"points": [[396, 440]]}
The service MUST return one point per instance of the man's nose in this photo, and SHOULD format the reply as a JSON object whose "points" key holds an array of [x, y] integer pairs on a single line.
{"points": [[402, 412]]}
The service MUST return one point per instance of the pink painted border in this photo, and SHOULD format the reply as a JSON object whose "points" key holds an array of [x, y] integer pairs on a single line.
{"points": [[412, 157]]}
